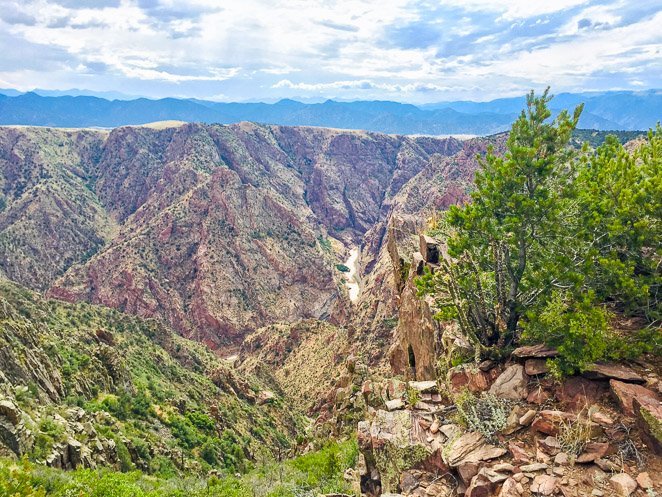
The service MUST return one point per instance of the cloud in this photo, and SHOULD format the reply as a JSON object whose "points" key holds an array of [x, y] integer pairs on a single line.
{"points": [[11, 13], [360, 85], [413, 50], [338, 26]]}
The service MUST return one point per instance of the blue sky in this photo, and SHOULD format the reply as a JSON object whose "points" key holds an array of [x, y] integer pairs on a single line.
{"points": [[412, 51]]}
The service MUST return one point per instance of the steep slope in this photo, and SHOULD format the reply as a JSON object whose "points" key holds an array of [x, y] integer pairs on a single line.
{"points": [[219, 229], [82, 385], [49, 216]]}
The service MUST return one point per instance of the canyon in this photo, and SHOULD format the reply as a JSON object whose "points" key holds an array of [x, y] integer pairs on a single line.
{"points": [[220, 230]]}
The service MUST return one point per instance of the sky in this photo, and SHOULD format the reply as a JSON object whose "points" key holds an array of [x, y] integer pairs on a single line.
{"points": [[416, 51]]}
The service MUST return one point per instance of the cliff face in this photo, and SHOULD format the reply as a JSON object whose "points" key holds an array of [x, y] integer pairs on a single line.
{"points": [[217, 229]]}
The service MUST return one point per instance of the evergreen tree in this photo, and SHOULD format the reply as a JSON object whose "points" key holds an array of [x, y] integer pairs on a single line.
{"points": [[503, 243]]}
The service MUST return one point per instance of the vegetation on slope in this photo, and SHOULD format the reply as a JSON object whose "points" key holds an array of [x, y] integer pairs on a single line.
{"points": [[168, 405], [554, 241], [307, 475]]}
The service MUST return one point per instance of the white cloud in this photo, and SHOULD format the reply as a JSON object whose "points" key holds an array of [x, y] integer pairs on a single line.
{"points": [[267, 49]]}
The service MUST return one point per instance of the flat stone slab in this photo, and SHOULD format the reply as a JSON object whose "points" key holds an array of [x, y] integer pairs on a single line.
{"points": [[424, 386], [541, 350], [608, 371]]}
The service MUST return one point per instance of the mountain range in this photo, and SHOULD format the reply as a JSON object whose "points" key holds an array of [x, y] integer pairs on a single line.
{"points": [[623, 110]]}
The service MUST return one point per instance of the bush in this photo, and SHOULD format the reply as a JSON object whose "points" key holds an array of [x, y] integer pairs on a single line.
{"points": [[486, 414], [185, 432], [578, 330]]}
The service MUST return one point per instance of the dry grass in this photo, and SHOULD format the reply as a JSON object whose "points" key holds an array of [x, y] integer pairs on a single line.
{"points": [[575, 434]]}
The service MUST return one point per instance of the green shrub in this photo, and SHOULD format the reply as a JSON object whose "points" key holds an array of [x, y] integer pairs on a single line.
{"points": [[579, 330]]}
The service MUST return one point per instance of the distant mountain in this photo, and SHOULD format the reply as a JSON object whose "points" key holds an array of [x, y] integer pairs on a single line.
{"points": [[603, 111], [622, 110]]}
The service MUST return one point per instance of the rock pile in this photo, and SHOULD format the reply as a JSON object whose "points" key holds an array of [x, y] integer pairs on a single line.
{"points": [[584, 437]]}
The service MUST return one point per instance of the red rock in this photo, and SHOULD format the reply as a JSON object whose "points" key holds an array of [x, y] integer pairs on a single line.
{"points": [[623, 484], [601, 418], [644, 481], [577, 393], [520, 455], [548, 421], [538, 396], [593, 451], [481, 486], [473, 379], [625, 393], [544, 485], [510, 488], [467, 471]]}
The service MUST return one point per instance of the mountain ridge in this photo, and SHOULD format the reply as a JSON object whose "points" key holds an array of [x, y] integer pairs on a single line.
{"points": [[603, 111]]}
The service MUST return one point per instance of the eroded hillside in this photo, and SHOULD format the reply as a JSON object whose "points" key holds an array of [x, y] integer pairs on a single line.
{"points": [[217, 229]]}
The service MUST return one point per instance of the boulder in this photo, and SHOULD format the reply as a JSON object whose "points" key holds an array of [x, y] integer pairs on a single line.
{"points": [[625, 393], [471, 447], [544, 485], [550, 445], [527, 417], [511, 384], [648, 415], [468, 376], [593, 451], [548, 421], [467, 471], [624, 485], [395, 404]]}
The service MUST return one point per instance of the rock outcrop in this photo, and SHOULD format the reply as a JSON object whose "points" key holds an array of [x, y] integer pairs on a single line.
{"points": [[416, 336]]}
